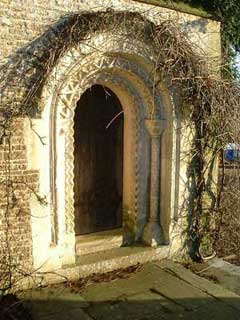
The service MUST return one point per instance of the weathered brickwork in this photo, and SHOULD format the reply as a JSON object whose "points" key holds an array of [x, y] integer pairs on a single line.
{"points": [[17, 185], [22, 21]]}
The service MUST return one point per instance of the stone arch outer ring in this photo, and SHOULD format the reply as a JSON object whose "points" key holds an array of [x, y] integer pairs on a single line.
{"points": [[68, 203], [84, 55], [127, 66]]}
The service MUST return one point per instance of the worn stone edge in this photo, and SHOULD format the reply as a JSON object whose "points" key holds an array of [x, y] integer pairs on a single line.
{"points": [[75, 272], [225, 266], [212, 289]]}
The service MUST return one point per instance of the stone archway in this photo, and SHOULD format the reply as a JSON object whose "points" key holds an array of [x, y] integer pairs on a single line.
{"points": [[125, 67]]}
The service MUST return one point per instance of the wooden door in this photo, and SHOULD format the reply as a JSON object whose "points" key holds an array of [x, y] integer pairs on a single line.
{"points": [[98, 161]]}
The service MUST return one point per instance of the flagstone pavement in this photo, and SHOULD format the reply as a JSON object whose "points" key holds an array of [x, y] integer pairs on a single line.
{"points": [[157, 290]]}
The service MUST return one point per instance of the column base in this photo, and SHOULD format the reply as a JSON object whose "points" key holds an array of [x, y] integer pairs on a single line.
{"points": [[153, 235], [128, 240], [67, 250]]}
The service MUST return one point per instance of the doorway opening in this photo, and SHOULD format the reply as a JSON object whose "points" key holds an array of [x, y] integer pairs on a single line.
{"points": [[98, 161]]}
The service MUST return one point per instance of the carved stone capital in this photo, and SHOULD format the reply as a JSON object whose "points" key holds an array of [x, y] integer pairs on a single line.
{"points": [[155, 127]]}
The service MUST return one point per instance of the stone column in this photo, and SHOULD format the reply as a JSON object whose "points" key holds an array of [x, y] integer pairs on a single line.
{"points": [[153, 233]]}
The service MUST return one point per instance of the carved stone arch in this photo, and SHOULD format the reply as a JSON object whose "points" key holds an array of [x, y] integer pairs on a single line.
{"points": [[126, 68], [136, 135]]}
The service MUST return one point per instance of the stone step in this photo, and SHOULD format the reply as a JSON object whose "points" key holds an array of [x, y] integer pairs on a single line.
{"points": [[98, 262], [99, 241]]}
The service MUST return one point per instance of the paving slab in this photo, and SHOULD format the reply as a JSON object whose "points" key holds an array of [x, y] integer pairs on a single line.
{"points": [[221, 272], [179, 291], [55, 303], [159, 290], [122, 287], [217, 291]]}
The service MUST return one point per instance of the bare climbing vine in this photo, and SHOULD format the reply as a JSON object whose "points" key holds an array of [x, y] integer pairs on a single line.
{"points": [[209, 108]]}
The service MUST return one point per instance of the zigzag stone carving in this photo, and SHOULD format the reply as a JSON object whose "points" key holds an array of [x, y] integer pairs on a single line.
{"points": [[120, 74]]}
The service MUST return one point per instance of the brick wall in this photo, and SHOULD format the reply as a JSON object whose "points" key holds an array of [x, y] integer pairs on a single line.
{"points": [[17, 185], [21, 21]]}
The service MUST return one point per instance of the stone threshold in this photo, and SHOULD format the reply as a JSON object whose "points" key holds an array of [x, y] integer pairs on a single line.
{"points": [[98, 241], [99, 262]]}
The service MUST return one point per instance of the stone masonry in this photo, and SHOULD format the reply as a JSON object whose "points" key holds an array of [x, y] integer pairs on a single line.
{"points": [[37, 159]]}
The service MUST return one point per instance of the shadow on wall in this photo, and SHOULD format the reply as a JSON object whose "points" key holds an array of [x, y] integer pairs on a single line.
{"points": [[196, 26]]}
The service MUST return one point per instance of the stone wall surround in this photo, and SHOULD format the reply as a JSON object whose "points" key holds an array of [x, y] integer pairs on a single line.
{"points": [[154, 175], [124, 66]]}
